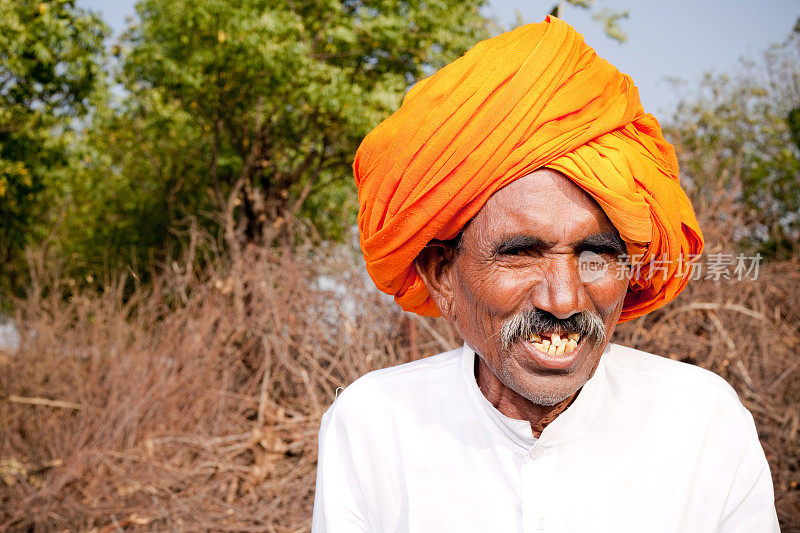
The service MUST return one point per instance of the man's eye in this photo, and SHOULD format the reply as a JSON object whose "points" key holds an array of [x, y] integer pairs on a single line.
{"points": [[523, 252], [606, 251]]}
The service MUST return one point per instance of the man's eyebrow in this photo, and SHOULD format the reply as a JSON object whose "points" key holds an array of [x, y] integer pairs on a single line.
{"points": [[608, 239], [519, 242]]}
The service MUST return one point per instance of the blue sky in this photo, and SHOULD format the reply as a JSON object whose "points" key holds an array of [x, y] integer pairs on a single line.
{"points": [[666, 38]]}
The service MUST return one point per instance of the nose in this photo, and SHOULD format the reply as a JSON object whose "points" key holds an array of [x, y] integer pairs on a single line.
{"points": [[561, 293]]}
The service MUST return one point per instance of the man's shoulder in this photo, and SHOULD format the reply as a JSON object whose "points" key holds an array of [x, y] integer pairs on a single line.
{"points": [[691, 415], [420, 372], [657, 371], [660, 383], [421, 382]]}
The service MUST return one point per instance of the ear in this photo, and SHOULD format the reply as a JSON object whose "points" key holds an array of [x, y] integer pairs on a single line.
{"points": [[435, 265]]}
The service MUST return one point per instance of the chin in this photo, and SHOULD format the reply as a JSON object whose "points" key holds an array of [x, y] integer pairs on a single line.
{"points": [[549, 396], [549, 399], [546, 391]]}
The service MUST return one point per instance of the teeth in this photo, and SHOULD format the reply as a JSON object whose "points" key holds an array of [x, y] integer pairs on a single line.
{"points": [[556, 344], [571, 345], [565, 347]]}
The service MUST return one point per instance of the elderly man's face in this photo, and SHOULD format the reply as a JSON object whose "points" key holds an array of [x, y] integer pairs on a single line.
{"points": [[521, 255]]}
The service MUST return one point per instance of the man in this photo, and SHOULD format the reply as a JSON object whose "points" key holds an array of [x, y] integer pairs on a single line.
{"points": [[522, 193]]}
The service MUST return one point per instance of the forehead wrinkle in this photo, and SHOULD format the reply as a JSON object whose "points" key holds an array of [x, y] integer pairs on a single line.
{"points": [[476, 231], [516, 219]]}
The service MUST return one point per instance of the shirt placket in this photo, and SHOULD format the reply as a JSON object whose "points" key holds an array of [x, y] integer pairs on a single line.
{"points": [[538, 489]]}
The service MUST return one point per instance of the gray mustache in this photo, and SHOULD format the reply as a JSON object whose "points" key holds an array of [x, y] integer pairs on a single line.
{"points": [[587, 323]]}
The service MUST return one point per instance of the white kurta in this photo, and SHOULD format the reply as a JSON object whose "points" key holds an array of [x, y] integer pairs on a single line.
{"points": [[649, 445]]}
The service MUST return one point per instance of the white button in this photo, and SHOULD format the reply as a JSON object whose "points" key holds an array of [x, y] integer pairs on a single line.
{"points": [[536, 453]]}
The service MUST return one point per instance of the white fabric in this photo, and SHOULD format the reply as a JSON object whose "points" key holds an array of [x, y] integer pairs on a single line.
{"points": [[649, 445]]}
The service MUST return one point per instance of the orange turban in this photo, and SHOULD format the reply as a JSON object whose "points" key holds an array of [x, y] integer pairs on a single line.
{"points": [[534, 97]]}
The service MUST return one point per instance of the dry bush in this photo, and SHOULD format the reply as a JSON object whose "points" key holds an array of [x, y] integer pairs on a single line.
{"points": [[194, 404]]}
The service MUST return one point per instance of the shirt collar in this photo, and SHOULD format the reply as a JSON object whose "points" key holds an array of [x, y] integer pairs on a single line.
{"points": [[574, 419], [519, 431]]}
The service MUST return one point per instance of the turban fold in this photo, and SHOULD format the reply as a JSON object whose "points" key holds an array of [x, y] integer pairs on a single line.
{"points": [[534, 97]]}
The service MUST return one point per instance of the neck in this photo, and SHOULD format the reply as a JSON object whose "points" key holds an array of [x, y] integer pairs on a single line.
{"points": [[513, 405]]}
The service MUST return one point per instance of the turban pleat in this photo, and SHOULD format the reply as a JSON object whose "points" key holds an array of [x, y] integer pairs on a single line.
{"points": [[534, 97]]}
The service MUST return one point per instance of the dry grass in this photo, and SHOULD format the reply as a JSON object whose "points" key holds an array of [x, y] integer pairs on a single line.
{"points": [[195, 403], [199, 400]]}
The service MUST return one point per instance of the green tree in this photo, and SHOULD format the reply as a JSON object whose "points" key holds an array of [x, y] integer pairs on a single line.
{"points": [[139, 177], [740, 156], [281, 93], [50, 63]]}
